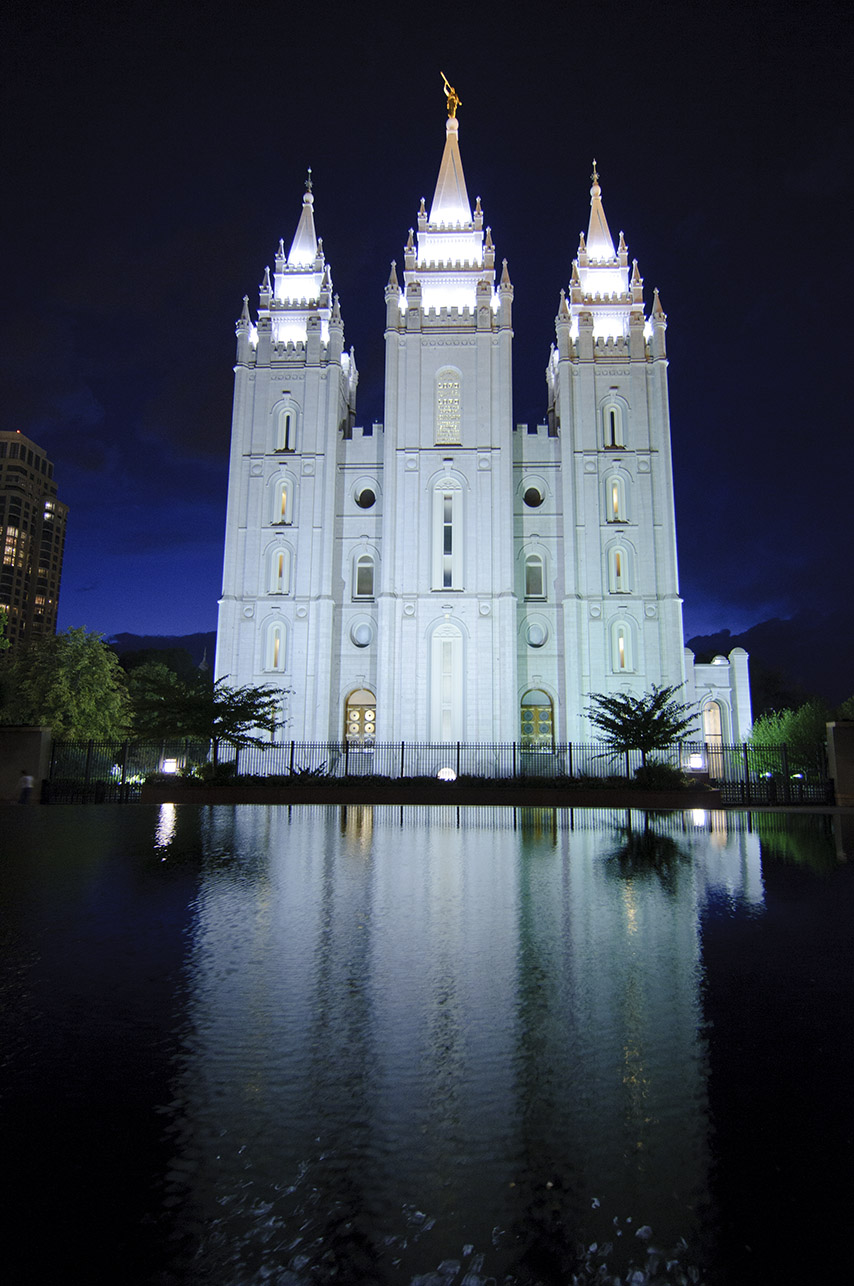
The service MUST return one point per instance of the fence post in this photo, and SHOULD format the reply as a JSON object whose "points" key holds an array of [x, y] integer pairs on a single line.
{"points": [[628, 773], [787, 785], [291, 761], [458, 759], [236, 759], [746, 771], [402, 754], [346, 758], [90, 745], [122, 785], [569, 756], [514, 760]]}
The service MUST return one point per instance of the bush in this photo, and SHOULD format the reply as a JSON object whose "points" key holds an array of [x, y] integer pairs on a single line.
{"points": [[659, 776]]}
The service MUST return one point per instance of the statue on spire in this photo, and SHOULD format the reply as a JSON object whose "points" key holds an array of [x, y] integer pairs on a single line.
{"points": [[452, 96]]}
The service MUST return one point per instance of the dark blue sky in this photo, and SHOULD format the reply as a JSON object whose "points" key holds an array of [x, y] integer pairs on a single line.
{"points": [[154, 154]]}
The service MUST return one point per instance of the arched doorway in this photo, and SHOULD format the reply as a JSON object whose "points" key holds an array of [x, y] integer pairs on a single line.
{"points": [[713, 737], [360, 718], [537, 720]]}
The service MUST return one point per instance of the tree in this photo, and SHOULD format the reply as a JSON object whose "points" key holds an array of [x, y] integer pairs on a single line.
{"points": [[650, 722], [163, 706], [4, 621], [69, 682], [801, 731]]}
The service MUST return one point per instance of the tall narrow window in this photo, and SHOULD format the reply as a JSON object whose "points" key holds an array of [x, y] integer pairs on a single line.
{"points": [[615, 496], [622, 658], [613, 418], [286, 430], [447, 536], [283, 503], [618, 570], [363, 580], [274, 658], [279, 578], [534, 576]]}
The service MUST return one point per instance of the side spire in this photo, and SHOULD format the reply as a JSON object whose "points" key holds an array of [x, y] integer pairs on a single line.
{"points": [[600, 244]]}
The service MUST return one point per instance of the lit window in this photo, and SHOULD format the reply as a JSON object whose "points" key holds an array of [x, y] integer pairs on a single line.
{"points": [[283, 503], [279, 578], [618, 570], [274, 658], [616, 499], [622, 659]]}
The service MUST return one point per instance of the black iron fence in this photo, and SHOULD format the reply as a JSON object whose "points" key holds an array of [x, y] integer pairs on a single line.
{"points": [[101, 771]]}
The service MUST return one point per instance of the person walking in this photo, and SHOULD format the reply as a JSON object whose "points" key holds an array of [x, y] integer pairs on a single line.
{"points": [[25, 786]]}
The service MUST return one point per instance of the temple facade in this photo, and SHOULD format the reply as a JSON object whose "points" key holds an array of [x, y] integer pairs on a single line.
{"points": [[449, 575]]}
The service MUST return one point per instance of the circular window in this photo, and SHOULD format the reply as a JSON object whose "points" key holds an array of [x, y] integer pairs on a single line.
{"points": [[361, 634], [536, 634], [533, 497], [366, 498]]}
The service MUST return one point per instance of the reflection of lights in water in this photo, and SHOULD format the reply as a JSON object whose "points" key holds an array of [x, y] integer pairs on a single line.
{"points": [[166, 822], [446, 774], [699, 817]]}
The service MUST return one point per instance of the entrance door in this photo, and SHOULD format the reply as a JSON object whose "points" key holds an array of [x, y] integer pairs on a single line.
{"points": [[360, 718]]}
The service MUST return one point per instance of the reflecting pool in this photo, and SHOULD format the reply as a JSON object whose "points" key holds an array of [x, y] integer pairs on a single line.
{"points": [[383, 1045]]}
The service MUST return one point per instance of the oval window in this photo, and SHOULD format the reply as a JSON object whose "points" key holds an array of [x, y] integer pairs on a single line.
{"points": [[366, 498], [533, 497]]}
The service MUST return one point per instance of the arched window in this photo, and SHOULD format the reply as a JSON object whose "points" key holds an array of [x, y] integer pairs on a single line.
{"points": [[537, 721], [363, 576], [446, 683], [448, 418], [535, 576], [286, 429], [612, 415], [283, 503], [615, 498], [360, 718], [447, 535], [622, 650], [619, 572], [274, 646], [279, 570]]}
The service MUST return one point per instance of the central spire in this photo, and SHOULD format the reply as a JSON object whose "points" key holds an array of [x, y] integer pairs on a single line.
{"points": [[599, 242], [450, 201]]}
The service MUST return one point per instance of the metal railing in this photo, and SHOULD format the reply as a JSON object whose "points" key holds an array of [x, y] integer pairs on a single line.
{"points": [[105, 771]]}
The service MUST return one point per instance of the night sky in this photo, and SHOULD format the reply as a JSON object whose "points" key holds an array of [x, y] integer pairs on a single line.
{"points": [[154, 154]]}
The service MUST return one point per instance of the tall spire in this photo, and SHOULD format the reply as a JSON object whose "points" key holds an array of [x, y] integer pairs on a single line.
{"points": [[599, 242], [450, 201], [304, 247]]}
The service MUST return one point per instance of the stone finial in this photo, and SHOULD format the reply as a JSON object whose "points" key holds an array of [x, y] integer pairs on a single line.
{"points": [[410, 241], [505, 275], [622, 244], [658, 313], [477, 208], [245, 320], [392, 276], [636, 277], [488, 241]]}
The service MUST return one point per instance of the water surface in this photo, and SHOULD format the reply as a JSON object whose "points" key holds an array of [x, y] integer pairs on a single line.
{"points": [[252, 1044]]}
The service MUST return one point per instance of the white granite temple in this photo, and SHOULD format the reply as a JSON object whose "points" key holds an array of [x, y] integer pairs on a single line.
{"points": [[449, 575]]}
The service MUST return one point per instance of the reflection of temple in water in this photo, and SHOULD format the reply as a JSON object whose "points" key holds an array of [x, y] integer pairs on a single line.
{"points": [[489, 1003]]}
